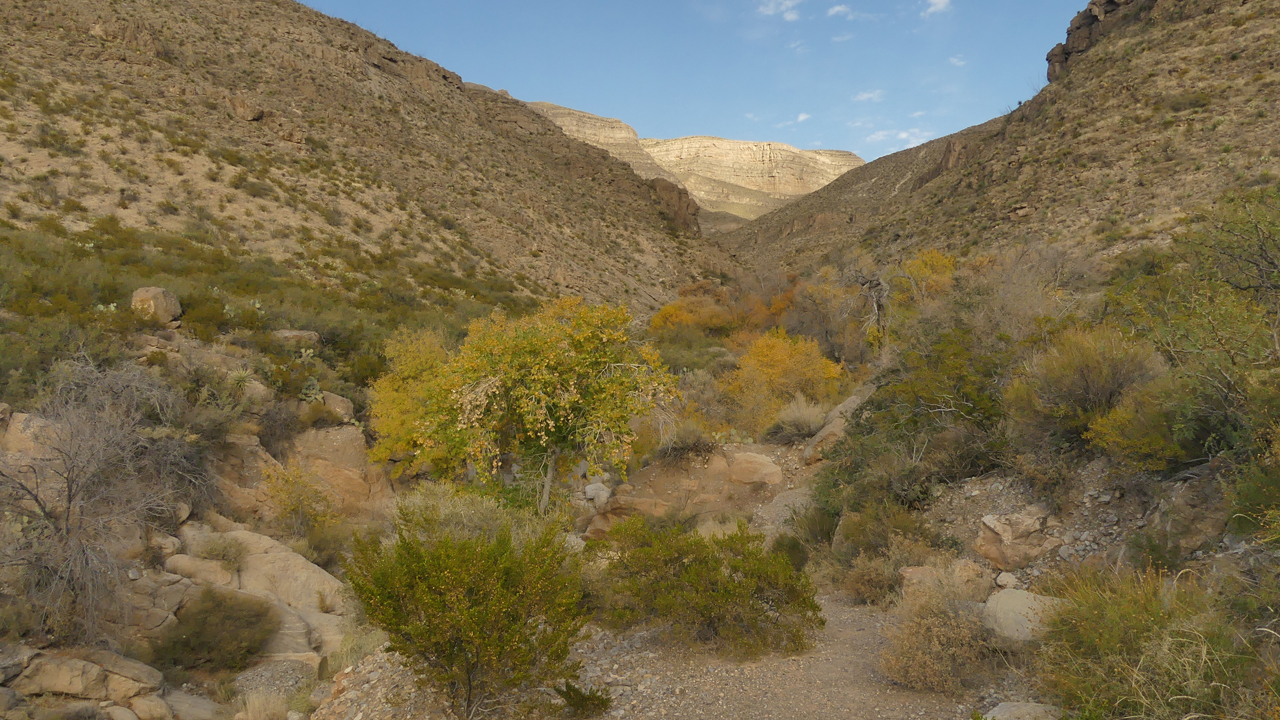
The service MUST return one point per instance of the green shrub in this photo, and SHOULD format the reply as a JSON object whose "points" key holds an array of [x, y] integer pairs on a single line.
{"points": [[874, 575], [1079, 380], [479, 616], [727, 591], [689, 440], [217, 631], [793, 549], [584, 703], [1141, 644], [874, 528]]}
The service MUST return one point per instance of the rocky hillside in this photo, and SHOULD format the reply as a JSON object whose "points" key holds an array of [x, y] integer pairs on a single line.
{"points": [[733, 177], [1155, 108], [268, 128]]}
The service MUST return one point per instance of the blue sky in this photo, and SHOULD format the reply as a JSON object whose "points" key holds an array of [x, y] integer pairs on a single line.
{"points": [[871, 77]]}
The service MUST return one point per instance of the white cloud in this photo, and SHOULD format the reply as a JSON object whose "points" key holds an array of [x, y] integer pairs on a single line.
{"points": [[842, 38], [869, 96], [785, 8], [751, 116], [936, 6], [842, 10], [816, 143], [908, 138], [803, 117], [919, 114], [958, 61]]}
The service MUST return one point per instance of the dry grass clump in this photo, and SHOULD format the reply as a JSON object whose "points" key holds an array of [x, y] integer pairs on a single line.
{"points": [[263, 705], [1146, 645], [940, 645], [800, 420], [226, 550], [689, 440], [440, 511]]}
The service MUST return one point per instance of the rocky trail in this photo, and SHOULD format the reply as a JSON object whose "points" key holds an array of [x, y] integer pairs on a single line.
{"points": [[837, 678]]}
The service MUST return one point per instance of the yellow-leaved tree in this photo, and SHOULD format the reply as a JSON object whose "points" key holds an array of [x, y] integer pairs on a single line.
{"points": [[775, 368], [560, 385]]}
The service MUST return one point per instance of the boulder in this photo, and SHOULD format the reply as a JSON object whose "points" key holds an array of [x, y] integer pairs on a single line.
{"points": [[1007, 580], [6, 412], [156, 303], [191, 707], [245, 110], [1192, 515], [1013, 541], [293, 636], [753, 469], [853, 402], [598, 494], [116, 712], [291, 578], [296, 337], [339, 405], [8, 699], [13, 660], [140, 673], [48, 674], [22, 435], [208, 572], [1017, 616], [829, 435], [962, 580], [338, 458], [1024, 711], [150, 707]]}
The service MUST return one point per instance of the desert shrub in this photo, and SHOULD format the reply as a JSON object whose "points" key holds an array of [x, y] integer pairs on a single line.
{"points": [[727, 591], [774, 369], [277, 427], [301, 504], [1079, 380], [813, 525], [874, 528], [359, 641], [798, 421], [874, 574], [226, 550], [1141, 644], [318, 415], [263, 705], [1142, 429], [478, 616], [217, 631], [690, 439], [792, 548], [941, 646], [584, 703], [438, 510]]}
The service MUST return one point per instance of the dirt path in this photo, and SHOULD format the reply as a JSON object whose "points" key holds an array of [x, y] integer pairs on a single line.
{"points": [[838, 678]]}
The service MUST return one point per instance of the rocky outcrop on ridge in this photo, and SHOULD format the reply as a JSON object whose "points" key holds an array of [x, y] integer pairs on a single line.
{"points": [[741, 178]]}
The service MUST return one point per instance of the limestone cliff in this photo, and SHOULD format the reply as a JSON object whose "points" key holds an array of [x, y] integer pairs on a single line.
{"points": [[743, 179], [613, 136], [748, 178]]}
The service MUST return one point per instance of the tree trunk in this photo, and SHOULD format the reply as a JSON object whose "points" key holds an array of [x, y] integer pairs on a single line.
{"points": [[546, 484]]}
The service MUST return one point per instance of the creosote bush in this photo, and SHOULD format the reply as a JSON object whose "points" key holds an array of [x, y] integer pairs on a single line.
{"points": [[478, 611], [940, 645], [726, 591], [220, 630]]}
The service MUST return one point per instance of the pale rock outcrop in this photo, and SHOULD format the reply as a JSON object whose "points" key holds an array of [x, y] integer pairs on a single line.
{"points": [[613, 136], [156, 303], [206, 572], [13, 660], [338, 458], [239, 469], [126, 678], [598, 494], [297, 337], [1024, 711], [117, 712], [1192, 514], [22, 435], [962, 580], [744, 178], [1017, 616], [1013, 541], [49, 674], [754, 469], [150, 707], [339, 405], [192, 707], [835, 424]]}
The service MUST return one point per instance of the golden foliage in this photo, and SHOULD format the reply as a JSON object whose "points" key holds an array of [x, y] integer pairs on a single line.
{"points": [[775, 368]]}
